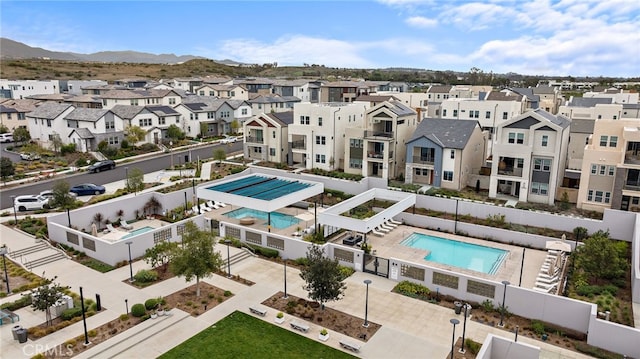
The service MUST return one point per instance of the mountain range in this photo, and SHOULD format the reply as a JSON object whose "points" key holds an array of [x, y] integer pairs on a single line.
{"points": [[10, 49]]}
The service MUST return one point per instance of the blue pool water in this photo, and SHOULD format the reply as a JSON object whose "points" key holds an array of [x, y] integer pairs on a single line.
{"points": [[278, 220], [458, 254], [135, 232]]}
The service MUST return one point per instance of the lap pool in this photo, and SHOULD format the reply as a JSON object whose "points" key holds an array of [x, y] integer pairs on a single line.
{"points": [[458, 254], [278, 220]]}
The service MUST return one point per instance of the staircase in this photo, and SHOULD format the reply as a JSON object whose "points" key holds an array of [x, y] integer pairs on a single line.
{"points": [[37, 255], [98, 155], [239, 257]]}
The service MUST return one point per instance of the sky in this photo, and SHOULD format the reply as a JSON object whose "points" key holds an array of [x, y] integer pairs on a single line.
{"points": [[531, 37]]}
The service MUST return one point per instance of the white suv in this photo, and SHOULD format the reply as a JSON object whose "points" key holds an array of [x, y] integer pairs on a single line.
{"points": [[30, 203], [6, 137]]}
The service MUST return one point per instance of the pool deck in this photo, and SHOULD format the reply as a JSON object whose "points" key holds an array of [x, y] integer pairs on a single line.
{"points": [[121, 232], [388, 246]]}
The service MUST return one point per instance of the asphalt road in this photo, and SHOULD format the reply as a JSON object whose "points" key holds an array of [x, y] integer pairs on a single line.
{"points": [[14, 157], [147, 165]]}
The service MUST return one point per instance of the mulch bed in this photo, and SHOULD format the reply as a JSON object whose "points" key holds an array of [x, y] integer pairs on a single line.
{"points": [[328, 318], [186, 299]]}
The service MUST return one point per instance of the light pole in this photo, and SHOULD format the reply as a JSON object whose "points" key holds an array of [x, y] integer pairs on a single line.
{"points": [[453, 335], [84, 319], [284, 259], [366, 304], [227, 242], [130, 265], [3, 252], [15, 215], [126, 306], [464, 328], [504, 295], [126, 176]]}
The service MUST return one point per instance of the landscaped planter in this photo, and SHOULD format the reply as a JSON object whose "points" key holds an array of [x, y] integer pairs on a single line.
{"points": [[324, 335]]}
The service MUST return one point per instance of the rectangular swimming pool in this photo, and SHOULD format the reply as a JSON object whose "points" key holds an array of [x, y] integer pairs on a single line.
{"points": [[135, 232], [458, 254], [278, 220]]}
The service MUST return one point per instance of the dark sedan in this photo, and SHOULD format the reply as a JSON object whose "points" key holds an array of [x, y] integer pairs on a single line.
{"points": [[87, 189], [102, 166]]}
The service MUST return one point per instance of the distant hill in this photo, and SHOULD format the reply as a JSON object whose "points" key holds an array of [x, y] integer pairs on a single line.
{"points": [[10, 49]]}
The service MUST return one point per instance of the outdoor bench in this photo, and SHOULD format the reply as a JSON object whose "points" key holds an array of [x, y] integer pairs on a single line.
{"points": [[350, 346], [260, 312], [299, 326]]}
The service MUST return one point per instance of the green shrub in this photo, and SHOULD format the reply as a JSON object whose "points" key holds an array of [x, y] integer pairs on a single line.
{"points": [[537, 327], [67, 314], [302, 261], [138, 310], [151, 303], [146, 276], [17, 304], [487, 306], [227, 293], [267, 252], [346, 272], [412, 289], [124, 317], [474, 347]]}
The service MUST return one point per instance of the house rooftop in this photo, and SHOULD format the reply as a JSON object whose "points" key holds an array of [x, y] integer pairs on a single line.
{"points": [[49, 110], [86, 114], [445, 132]]}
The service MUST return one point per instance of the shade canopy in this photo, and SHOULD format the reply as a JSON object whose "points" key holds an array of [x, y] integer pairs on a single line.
{"points": [[559, 246]]}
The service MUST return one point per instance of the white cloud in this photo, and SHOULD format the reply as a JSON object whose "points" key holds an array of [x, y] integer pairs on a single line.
{"points": [[477, 16], [422, 22]]}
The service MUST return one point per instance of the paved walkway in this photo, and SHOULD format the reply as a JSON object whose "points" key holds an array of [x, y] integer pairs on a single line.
{"points": [[410, 328]]}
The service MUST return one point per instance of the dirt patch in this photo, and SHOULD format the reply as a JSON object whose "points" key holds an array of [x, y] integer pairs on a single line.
{"points": [[186, 299], [327, 318]]}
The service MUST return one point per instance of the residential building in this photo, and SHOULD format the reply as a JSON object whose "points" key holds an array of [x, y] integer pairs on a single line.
{"points": [[592, 108], [209, 116], [418, 101], [616, 95], [186, 83], [344, 91], [75, 87], [443, 153], [100, 89], [47, 121], [256, 85], [376, 147], [155, 120], [272, 103], [549, 98], [611, 167], [266, 137], [19, 89], [235, 92], [13, 113], [305, 90], [140, 98], [90, 126], [317, 135], [529, 157], [132, 83]]}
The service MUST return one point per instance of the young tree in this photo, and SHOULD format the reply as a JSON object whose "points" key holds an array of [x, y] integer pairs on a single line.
{"points": [[62, 198], [161, 254], [6, 168], [135, 180], [235, 126], [580, 233], [21, 135], [219, 155], [56, 143], [601, 257], [135, 134], [3, 128], [322, 276], [204, 129], [45, 296], [175, 133], [196, 258]]}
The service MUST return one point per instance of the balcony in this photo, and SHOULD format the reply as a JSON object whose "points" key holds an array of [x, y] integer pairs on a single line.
{"points": [[510, 171], [378, 155], [428, 160], [252, 139], [298, 145], [632, 158], [378, 135]]}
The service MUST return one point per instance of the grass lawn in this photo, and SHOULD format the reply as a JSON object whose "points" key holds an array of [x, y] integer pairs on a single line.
{"points": [[240, 335]]}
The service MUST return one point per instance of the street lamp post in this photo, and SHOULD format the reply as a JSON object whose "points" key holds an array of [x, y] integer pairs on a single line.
{"points": [[126, 306], [366, 304], [284, 259], [3, 252], [15, 215], [453, 335], [227, 242], [130, 265], [126, 176], [504, 295], [84, 319], [464, 328]]}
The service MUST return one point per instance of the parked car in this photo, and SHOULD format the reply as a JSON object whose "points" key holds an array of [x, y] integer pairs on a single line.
{"points": [[30, 203], [6, 137], [102, 166], [29, 156], [229, 139], [49, 194], [87, 189]]}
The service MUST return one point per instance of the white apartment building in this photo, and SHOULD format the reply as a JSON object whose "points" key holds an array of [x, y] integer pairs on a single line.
{"points": [[75, 87], [529, 157], [317, 135], [90, 126], [616, 95], [305, 90], [211, 116], [377, 148], [140, 98], [19, 89], [47, 121], [272, 103]]}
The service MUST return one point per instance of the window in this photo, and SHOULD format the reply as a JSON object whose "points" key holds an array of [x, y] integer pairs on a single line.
{"points": [[162, 121], [603, 141], [191, 116], [320, 159], [613, 141], [590, 195], [104, 102], [320, 121], [211, 93], [539, 188], [545, 140], [607, 197], [505, 115], [487, 114], [145, 122], [599, 196], [245, 111], [201, 92], [476, 114], [113, 140], [542, 164], [512, 137], [356, 143], [304, 120], [211, 115], [110, 124], [444, 112], [612, 170], [453, 154], [48, 123], [520, 138], [516, 138], [594, 169], [273, 134], [272, 151], [355, 163], [321, 140], [134, 102], [455, 113], [448, 175], [602, 170]]}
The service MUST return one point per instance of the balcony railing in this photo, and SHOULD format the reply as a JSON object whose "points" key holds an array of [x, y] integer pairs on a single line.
{"points": [[378, 134], [378, 155], [298, 145], [632, 159], [428, 160], [251, 139], [510, 171]]}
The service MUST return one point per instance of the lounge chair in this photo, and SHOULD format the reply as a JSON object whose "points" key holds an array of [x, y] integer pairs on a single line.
{"points": [[387, 226], [203, 207], [195, 210], [220, 204], [110, 228], [379, 234], [394, 221], [125, 225], [547, 286], [390, 224], [544, 290], [211, 205], [547, 279], [382, 229]]}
